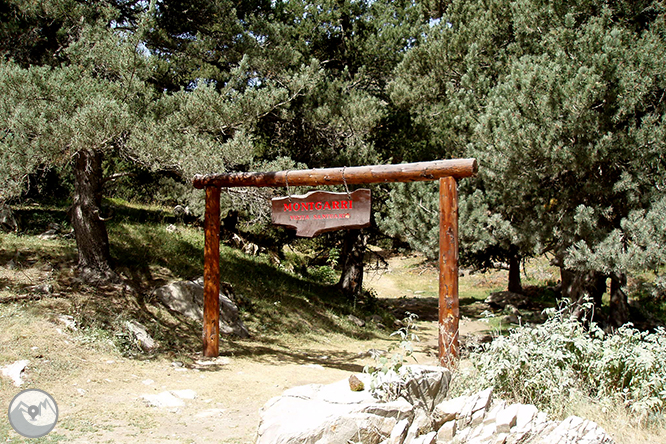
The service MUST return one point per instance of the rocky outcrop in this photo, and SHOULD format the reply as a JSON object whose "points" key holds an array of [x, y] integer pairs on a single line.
{"points": [[336, 414], [186, 298], [476, 419]]}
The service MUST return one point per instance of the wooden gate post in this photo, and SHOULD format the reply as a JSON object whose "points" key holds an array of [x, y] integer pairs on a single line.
{"points": [[211, 312], [447, 171], [449, 307]]}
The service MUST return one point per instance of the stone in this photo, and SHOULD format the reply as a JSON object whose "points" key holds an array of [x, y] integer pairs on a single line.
{"points": [[186, 298], [525, 414], [145, 341], [428, 438], [399, 432], [42, 288], [67, 321], [15, 371], [477, 418], [334, 413], [427, 386], [420, 425], [163, 400], [484, 399], [358, 322], [507, 418], [491, 416], [501, 299], [355, 384], [448, 410], [446, 432], [184, 394], [7, 219]]}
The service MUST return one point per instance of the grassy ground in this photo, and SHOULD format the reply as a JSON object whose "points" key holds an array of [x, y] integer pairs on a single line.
{"points": [[300, 331]]}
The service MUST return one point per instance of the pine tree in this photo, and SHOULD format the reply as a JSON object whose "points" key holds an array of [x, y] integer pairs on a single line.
{"points": [[562, 105], [94, 96]]}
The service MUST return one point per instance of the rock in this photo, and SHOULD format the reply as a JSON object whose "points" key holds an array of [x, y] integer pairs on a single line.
{"points": [[399, 432], [376, 319], [507, 418], [355, 384], [14, 372], [448, 410], [41, 288], [428, 438], [511, 319], [186, 298], [333, 413], [146, 342], [49, 235], [485, 397], [446, 432], [427, 386], [163, 400], [501, 299], [526, 413], [420, 425], [7, 219], [355, 320], [68, 321], [184, 394]]}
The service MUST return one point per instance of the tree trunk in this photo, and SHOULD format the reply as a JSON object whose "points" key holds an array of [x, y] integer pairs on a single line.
{"points": [[581, 285], [92, 239], [619, 305], [353, 251], [515, 284]]}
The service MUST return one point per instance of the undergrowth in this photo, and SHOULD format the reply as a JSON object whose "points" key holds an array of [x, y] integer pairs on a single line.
{"points": [[558, 363]]}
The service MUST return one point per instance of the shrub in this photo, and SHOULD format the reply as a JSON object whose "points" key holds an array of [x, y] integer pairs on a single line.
{"points": [[553, 364]]}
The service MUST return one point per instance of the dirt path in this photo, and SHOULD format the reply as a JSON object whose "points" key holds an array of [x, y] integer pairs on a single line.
{"points": [[100, 393]]}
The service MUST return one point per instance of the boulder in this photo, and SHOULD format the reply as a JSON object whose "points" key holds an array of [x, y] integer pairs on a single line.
{"points": [[140, 334], [186, 298], [335, 414]]}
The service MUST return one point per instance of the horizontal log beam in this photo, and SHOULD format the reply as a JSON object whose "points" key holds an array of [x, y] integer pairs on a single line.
{"points": [[403, 172]]}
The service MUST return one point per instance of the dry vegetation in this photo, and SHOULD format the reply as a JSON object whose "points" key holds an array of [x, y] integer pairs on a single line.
{"points": [[300, 336]]}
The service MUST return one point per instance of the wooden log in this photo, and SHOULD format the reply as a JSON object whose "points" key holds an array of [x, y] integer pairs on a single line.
{"points": [[449, 307], [211, 314], [404, 172]]}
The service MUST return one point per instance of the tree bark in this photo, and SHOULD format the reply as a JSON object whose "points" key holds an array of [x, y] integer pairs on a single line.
{"points": [[92, 240], [353, 251], [619, 305], [581, 285], [515, 284]]}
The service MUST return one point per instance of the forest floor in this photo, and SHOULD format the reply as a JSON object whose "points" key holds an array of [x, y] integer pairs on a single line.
{"points": [[100, 390]]}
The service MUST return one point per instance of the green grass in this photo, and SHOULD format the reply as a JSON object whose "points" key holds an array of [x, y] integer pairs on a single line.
{"points": [[276, 304]]}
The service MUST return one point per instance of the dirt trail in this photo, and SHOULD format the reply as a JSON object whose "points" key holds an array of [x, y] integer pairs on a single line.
{"points": [[99, 394]]}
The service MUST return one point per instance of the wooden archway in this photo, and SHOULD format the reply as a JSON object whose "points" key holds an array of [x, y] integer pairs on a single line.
{"points": [[446, 171]]}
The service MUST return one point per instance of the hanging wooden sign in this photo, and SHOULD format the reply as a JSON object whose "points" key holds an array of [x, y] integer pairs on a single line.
{"points": [[320, 211]]}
